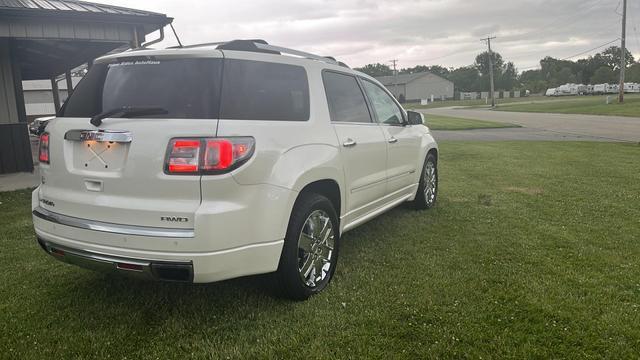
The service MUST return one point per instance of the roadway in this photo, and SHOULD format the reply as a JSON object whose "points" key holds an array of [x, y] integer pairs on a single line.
{"points": [[540, 126]]}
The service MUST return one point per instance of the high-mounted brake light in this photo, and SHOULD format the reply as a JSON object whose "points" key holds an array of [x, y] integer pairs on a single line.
{"points": [[207, 155], [43, 152]]}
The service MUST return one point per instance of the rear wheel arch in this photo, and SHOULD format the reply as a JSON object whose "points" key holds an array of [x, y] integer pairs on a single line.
{"points": [[433, 151], [328, 188]]}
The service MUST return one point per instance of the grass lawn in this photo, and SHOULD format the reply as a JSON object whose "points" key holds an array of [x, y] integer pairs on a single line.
{"points": [[532, 252], [447, 103], [436, 122], [591, 105]]}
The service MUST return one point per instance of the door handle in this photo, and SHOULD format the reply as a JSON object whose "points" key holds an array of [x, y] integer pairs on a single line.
{"points": [[393, 140], [349, 143]]}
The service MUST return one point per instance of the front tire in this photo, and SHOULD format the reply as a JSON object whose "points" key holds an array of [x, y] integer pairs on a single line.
{"points": [[310, 251], [427, 193]]}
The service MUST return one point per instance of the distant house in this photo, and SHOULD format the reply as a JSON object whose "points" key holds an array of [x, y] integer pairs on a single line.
{"points": [[414, 87]]}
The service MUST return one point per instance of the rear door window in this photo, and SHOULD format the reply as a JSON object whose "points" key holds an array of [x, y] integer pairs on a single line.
{"points": [[186, 88], [256, 90], [345, 98]]}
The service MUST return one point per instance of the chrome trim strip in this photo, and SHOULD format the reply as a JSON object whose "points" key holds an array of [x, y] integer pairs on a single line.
{"points": [[117, 136], [110, 227], [365, 186]]}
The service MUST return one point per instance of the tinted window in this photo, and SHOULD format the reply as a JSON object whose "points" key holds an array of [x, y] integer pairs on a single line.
{"points": [[345, 98], [186, 88], [257, 90], [387, 111]]}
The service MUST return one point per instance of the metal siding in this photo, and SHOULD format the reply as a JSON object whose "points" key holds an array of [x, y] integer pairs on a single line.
{"points": [[125, 33], [424, 87], [17, 30], [66, 31], [81, 31], [5, 29], [50, 30], [34, 30], [96, 32], [8, 110]]}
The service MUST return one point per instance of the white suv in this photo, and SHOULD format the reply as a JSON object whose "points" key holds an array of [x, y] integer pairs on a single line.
{"points": [[215, 161]]}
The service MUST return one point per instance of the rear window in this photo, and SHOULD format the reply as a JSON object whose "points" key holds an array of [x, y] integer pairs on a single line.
{"points": [[345, 98], [186, 88], [194, 89], [258, 90]]}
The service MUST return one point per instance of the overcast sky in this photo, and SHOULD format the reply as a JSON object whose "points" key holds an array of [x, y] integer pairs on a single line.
{"points": [[445, 32]]}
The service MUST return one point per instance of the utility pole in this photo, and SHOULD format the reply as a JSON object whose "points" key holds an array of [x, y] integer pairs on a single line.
{"points": [[623, 50], [395, 77], [488, 40]]}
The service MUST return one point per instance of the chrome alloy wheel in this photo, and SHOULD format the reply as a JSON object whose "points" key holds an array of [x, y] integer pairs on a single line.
{"points": [[316, 248], [430, 182]]}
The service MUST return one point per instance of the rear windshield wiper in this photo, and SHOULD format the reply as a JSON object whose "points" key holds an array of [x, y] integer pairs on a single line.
{"points": [[127, 111]]}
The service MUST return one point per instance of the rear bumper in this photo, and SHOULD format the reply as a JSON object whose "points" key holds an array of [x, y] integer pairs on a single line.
{"points": [[70, 244], [140, 268]]}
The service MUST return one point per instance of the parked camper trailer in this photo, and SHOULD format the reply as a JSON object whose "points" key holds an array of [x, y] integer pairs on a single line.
{"points": [[567, 89], [589, 90], [551, 92], [600, 89], [631, 88]]}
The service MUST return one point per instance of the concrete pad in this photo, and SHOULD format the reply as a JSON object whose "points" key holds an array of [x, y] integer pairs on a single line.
{"points": [[19, 181]]}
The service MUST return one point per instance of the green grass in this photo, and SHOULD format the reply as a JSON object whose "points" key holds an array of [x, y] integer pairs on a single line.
{"points": [[448, 103], [589, 105], [532, 252], [436, 122]]}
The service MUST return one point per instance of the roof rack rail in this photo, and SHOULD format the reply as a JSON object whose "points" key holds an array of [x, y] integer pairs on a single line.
{"points": [[258, 45]]}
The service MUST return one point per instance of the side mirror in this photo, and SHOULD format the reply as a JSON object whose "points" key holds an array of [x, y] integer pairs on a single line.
{"points": [[415, 118]]}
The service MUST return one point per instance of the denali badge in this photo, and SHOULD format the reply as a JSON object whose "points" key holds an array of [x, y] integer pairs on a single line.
{"points": [[47, 202], [174, 219]]}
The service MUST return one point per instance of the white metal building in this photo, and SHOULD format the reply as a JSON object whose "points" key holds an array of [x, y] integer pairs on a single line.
{"points": [[414, 87]]}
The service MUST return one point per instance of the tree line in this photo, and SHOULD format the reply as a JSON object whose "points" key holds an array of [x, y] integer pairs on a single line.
{"points": [[603, 67]]}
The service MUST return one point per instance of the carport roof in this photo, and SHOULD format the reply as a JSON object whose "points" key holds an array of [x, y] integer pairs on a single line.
{"points": [[50, 37], [69, 7]]}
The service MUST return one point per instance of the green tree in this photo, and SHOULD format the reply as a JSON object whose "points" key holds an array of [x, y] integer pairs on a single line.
{"points": [[633, 73], [603, 75], [508, 78], [482, 63], [465, 78], [375, 70], [612, 57]]}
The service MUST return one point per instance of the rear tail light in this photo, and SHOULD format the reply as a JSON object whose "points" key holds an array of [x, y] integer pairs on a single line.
{"points": [[186, 156], [43, 156]]}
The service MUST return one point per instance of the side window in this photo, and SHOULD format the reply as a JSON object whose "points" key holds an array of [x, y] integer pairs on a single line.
{"points": [[385, 108], [345, 98]]}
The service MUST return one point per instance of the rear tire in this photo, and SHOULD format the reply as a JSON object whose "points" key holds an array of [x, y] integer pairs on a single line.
{"points": [[310, 252], [427, 193]]}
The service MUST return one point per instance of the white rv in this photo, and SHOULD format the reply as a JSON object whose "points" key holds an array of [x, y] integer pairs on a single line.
{"points": [[551, 92], [600, 89]]}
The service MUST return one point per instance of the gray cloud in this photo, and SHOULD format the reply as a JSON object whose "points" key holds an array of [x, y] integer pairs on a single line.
{"points": [[445, 32]]}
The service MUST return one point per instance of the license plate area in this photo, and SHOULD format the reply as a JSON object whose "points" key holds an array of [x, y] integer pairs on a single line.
{"points": [[99, 150]]}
